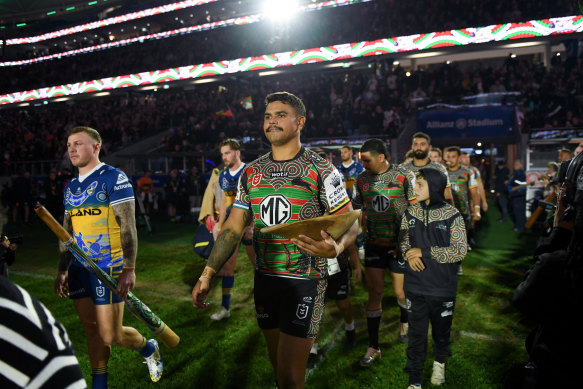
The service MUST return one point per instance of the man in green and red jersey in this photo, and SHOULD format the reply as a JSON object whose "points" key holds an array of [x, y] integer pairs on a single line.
{"points": [[464, 185], [286, 185], [384, 192], [421, 146]]}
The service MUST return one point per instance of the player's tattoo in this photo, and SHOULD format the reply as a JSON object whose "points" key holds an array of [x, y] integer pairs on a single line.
{"points": [[125, 216], [65, 255], [225, 244]]}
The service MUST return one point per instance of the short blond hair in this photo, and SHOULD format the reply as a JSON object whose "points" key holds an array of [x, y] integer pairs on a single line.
{"points": [[93, 133]]}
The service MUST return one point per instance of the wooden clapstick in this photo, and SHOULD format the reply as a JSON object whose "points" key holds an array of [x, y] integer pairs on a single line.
{"points": [[134, 304], [335, 225]]}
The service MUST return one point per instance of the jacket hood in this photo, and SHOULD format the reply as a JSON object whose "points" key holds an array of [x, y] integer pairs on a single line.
{"points": [[436, 181]]}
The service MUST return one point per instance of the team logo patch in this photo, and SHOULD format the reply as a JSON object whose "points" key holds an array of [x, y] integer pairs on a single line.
{"points": [[381, 203], [121, 179], [257, 177], [307, 299], [275, 209], [100, 291], [302, 311]]}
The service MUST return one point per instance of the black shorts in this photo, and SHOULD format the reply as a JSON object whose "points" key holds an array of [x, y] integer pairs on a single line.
{"points": [[381, 257], [339, 285], [292, 304]]}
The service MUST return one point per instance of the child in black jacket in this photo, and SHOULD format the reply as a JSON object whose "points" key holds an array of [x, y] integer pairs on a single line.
{"points": [[433, 240]]}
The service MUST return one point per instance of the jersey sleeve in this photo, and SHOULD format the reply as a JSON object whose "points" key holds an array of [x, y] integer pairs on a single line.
{"points": [[242, 199], [472, 182], [334, 193], [120, 188], [444, 171], [222, 180], [409, 185]]}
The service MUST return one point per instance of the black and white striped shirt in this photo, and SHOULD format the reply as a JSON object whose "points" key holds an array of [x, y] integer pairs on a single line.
{"points": [[35, 351]]}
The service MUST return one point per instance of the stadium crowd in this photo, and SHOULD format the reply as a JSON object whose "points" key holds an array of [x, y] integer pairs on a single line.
{"points": [[375, 101], [313, 29]]}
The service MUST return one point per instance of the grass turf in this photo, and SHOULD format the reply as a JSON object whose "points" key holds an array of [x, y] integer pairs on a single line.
{"points": [[487, 334]]}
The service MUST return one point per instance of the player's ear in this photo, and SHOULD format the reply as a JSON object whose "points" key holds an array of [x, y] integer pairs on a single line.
{"points": [[301, 122]]}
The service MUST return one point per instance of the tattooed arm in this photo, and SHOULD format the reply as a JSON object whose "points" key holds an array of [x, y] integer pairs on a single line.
{"points": [[125, 214], [65, 257], [226, 243]]}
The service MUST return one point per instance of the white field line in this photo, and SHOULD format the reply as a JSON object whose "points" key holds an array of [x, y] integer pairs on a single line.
{"points": [[330, 341], [474, 335]]}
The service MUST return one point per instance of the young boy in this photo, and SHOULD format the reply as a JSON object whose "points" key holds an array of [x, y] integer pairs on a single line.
{"points": [[433, 240]]}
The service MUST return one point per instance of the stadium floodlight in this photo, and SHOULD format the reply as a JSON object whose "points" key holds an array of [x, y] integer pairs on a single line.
{"points": [[279, 9]]}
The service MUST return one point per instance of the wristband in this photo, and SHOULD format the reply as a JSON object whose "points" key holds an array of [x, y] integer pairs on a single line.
{"points": [[205, 278], [476, 206]]}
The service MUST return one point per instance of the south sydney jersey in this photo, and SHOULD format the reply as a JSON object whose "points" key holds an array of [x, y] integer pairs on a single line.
{"points": [[278, 192], [462, 180], [431, 165], [89, 203], [229, 182], [384, 197]]}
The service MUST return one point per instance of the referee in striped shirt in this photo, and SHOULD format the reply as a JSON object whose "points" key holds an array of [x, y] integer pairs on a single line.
{"points": [[35, 351]]}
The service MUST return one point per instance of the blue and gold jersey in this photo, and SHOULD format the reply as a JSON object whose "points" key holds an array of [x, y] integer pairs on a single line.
{"points": [[230, 183], [89, 204], [349, 173]]}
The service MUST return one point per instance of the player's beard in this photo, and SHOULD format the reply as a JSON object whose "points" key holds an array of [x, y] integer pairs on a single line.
{"points": [[420, 154]]}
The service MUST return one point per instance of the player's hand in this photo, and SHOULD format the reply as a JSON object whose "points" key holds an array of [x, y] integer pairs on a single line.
{"points": [[357, 275], [413, 256], [216, 230], [125, 282], [484, 206], [199, 293], [327, 248], [61, 285]]}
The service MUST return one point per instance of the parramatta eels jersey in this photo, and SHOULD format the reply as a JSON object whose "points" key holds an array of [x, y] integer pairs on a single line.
{"points": [[229, 182], [462, 180], [89, 204], [350, 173], [278, 192], [432, 164], [384, 197]]}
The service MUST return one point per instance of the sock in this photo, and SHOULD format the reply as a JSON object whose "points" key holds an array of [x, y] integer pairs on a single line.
{"points": [[404, 315], [227, 284], [314, 349], [349, 326], [373, 322], [147, 350], [99, 375]]}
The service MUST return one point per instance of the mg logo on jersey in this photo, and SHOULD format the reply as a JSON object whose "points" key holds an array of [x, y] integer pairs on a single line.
{"points": [[274, 209], [302, 311], [381, 203]]}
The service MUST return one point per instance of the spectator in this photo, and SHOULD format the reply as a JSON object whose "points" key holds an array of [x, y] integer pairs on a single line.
{"points": [[501, 189], [517, 188]]}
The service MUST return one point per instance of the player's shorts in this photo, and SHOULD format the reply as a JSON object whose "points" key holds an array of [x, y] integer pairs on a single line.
{"points": [[294, 305], [83, 283], [381, 257], [339, 285]]}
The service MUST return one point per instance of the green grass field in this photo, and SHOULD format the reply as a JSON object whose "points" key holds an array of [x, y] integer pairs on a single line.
{"points": [[487, 337]]}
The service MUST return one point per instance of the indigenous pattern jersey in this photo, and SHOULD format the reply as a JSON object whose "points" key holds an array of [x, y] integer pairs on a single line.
{"points": [[384, 197], [229, 182], [90, 205], [462, 180], [350, 173], [432, 164], [278, 192]]}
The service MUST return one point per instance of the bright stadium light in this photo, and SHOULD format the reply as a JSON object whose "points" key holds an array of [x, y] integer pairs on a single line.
{"points": [[279, 8]]}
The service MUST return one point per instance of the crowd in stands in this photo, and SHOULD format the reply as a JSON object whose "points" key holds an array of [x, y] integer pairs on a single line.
{"points": [[384, 19], [374, 101]]}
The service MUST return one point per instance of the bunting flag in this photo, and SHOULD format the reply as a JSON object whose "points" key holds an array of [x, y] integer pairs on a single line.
{"points": [[247, 103]]}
